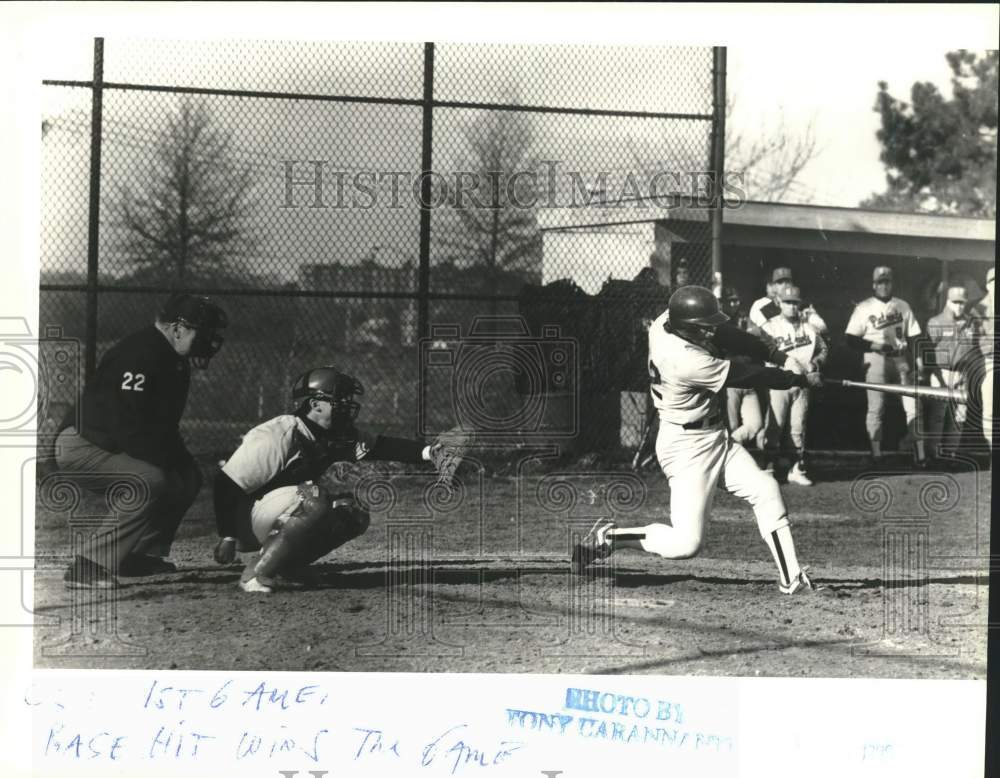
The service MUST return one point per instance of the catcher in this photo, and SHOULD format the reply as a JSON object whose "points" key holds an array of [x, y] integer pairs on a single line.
{"points": [[268, 495]]}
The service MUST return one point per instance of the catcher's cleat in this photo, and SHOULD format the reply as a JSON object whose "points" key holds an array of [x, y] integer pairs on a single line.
{"points": [[254, 586], [593, 547], [798, 476], [225, 551], [801, 583]]}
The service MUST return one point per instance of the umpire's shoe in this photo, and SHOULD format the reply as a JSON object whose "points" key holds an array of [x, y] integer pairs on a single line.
{"points": [[593, 547], [139, 565], [85, 574]]}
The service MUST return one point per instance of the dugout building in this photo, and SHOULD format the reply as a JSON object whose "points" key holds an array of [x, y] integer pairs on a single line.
{"points": [[831, 252]]}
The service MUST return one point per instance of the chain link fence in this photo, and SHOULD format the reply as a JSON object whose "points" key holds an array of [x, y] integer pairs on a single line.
{"points": [[376, 206]]}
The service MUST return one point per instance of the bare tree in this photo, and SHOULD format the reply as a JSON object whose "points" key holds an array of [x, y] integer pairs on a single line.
{"points": [[192, 215], [771, 161], [494, 208]]}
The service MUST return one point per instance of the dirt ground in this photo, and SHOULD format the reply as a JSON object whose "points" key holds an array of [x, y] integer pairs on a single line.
{"points": [[480, 582]]}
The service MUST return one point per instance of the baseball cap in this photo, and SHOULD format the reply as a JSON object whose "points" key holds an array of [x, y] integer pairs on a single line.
{"points": [[956, 294], [882, 273], [790, 294], [781, 274], [194, 310]]}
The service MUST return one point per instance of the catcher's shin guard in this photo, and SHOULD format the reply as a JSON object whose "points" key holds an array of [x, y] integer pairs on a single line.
{"points": [[316, 526]]}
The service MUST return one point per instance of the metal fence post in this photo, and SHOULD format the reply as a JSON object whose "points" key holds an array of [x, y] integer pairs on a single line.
{"points": [[424, 266], [94, 220], [718, 162]]}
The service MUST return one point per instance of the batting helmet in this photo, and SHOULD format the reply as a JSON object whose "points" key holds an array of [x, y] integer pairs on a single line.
{"points": [[694, 306], [328, 383]]}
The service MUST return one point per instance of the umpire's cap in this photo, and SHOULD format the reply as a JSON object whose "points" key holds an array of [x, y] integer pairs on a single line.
{"points": [[694, 306], [195, 311]]}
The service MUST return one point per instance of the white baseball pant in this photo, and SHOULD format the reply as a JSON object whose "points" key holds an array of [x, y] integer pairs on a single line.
{"points": [[789, 409], [880, 369], [744, 412]]}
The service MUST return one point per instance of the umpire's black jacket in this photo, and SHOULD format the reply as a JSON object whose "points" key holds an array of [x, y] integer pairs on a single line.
{"points": [[135, 401]]}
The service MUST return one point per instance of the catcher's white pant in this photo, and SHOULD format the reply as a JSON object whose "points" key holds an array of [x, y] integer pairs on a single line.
{"points": [[880, 369], [789, 409], [695, 462], [745, 417], [273, 507]]}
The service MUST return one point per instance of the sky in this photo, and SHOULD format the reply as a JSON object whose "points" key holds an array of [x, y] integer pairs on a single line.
{"points": [[830, 81], [788, 63], [836, 93]]}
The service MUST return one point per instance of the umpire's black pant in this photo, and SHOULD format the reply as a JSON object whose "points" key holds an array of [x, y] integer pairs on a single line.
{"points": [[148, 501]]}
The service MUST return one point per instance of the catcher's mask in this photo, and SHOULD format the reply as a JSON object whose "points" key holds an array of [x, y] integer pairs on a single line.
{"points": [[202, 315], [328, 383]]}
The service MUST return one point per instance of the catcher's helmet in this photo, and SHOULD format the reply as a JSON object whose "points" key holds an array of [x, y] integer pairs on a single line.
{"points": [[328, 383], [694, 306], [204, 316]]}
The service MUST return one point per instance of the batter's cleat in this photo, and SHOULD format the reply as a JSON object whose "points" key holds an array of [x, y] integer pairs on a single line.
{"points": [[593, 547], [254, 586], [798, 476], [801, 583], [84, 574], [139, 565], [225, 551]]}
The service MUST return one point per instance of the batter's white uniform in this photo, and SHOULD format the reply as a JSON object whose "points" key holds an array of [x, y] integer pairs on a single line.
{"points": [[696, 452], [890, 322], [790, 407]]}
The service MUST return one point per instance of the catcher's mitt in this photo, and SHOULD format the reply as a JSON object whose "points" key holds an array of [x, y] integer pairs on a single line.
{"points": [[447, 453]]}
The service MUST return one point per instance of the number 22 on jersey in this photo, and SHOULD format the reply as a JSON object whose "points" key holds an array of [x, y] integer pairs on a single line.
{"points": [[132, 382]]}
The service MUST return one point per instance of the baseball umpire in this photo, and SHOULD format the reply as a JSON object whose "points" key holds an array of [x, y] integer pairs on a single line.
{"points": [[688, 373], [268, 494], [129, 425]]}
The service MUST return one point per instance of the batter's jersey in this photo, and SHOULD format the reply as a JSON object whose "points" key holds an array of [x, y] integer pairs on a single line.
{"points": [[288, 450], [797, 339], [889, 322], [685, 378]]}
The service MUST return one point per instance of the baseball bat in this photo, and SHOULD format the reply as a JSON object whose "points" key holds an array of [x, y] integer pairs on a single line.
{"points": [[922, 392]]}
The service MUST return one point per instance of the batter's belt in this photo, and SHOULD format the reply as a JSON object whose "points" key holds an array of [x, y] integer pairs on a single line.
{"points": [[703, 423]]}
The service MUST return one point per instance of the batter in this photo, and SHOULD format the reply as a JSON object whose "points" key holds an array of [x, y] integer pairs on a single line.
{"points": [[694, 448]]}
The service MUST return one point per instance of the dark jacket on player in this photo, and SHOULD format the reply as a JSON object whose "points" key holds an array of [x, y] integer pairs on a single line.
{"points": [[136, 398]]}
